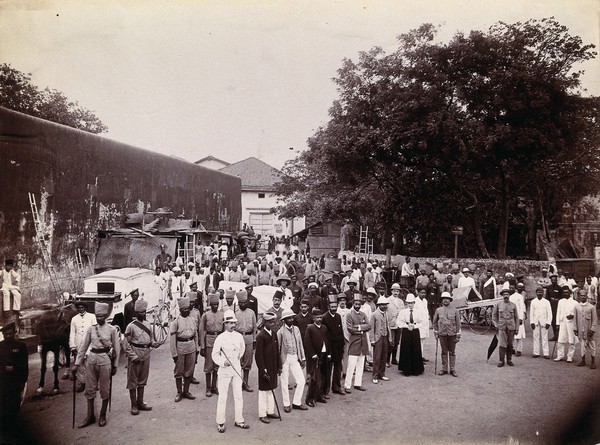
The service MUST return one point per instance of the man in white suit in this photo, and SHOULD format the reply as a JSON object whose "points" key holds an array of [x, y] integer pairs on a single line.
{"points": [[540, 316]]}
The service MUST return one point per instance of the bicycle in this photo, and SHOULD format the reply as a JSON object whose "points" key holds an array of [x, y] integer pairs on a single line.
{"points": [[479, 318], [160, 323]]}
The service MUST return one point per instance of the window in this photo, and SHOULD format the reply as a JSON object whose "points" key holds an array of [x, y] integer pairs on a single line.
{"points": [[261, 195]]}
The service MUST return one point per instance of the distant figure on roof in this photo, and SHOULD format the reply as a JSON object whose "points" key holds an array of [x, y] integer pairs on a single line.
{"points": [[162, 258]]}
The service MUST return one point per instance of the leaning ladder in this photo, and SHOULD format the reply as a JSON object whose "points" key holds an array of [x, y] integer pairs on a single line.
{"points": [[43, 245], [365, 245]]}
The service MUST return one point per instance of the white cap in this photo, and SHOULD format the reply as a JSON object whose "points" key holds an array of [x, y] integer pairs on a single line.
{"points": [[229, 316], [382, 300], [410, 298]]}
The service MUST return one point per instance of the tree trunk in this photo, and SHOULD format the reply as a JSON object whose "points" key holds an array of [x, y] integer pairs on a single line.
{"points": [[476, 218], [504, 215]]}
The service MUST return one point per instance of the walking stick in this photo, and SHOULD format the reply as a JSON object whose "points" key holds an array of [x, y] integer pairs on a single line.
{"points": [[554, 348], [74, 398], [436, 351]]}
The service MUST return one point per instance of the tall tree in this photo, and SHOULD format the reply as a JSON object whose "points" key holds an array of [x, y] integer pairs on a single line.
{"points": [[19, 94], [446, 133]]}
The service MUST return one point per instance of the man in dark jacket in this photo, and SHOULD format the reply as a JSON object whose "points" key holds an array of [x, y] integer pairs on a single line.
{"points": [[14, 370], [268, 364], [333, 322], [317, 351]]}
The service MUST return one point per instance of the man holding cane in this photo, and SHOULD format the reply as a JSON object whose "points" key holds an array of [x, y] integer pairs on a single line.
{"points": [[269, 367], [446, 328], [79, 325]]}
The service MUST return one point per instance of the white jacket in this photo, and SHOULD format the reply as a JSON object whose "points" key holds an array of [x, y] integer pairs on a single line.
{"points": [[540, 312]]}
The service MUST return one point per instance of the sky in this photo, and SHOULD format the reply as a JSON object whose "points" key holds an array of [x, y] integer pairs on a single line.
{"points": [[233, 79]]}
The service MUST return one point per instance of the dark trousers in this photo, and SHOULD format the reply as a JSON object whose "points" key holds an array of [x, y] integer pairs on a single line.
{"points": [[333, 376], [448, 344], [315, 387], [380, 350]]}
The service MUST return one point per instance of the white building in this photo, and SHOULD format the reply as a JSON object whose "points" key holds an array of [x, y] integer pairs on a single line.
{"points": [[258, 195]]}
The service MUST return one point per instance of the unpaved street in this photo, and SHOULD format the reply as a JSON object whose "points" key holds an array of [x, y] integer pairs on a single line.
{"points": [[530, 403]]}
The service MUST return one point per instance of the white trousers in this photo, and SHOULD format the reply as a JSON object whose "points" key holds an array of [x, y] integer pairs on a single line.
{"points": [[266, 403], [292, 365], [16, 298], [560, 351], [223, 382], [540, 333], [355, 363], [518, 344]]}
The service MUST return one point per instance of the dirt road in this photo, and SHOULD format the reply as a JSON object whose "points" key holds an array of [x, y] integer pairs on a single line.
{"points": [[531, 402]]}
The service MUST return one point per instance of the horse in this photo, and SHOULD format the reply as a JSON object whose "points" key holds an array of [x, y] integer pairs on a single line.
{"points": [[53, 330]]}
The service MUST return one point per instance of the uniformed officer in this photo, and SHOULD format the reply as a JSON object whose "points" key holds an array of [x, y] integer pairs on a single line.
{"points": [[226, 353], [506, 318], [14, 370], [196, 314], [446, 328], [211, 325], [138, 344], [105, 347], [184, 338], [246, 325]]}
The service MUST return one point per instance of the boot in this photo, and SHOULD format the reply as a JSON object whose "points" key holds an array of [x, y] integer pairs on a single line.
{"points": [[134, 406], [509, 353], [582, 362], [245, 385], [178, 384], [140, 400], [502, 352], [90, 418], [186, 389], [593, 364], [214, 389], [102, 419], [208, 377]]}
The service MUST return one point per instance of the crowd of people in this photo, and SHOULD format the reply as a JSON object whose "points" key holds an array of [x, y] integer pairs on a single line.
{"points": [[320, 336]]}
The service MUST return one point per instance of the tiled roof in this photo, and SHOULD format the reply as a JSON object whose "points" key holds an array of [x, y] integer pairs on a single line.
{"points": [[211, 158], [255, 174]]}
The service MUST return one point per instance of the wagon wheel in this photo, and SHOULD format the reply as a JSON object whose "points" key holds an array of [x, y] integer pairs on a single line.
{"points": [[480, 319], [160, 323]]}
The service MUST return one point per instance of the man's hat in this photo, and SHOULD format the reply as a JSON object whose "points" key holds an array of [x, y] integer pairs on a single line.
{"points": [[229, 293], [382, 300], [410, 298], [287, 313], [357, 297], [520, 285], [267, 316], [9, 263], [177, 269], [395, 286], [505, 291], [446, 295], [242, 295], [351, 281], [371, 290], [213, 298], [229, 317], [313, 284], [552, 275], [509, 275], [9, 326], [101, 308], [246, 279], [305, 301], [341, 297], [283, 277], [316, 312], [79, 303], [183, 303], [332, 298], [193, 296], [466, 269], [140, 305], [135, 291]]}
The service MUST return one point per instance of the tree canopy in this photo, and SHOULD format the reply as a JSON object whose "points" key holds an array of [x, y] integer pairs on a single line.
{"points": [[18, 93], [441, 134]]}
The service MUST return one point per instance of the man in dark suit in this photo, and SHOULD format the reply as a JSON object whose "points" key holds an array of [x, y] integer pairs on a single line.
{"points": [[333, 322], [317, 351], [14, 371], [303, 318], [269, 366]]}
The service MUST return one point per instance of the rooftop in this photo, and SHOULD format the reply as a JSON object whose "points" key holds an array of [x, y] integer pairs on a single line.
{"points": [[255, 174]]}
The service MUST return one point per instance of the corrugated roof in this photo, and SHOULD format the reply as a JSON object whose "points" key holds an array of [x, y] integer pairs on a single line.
{"points": [[255, 174]]}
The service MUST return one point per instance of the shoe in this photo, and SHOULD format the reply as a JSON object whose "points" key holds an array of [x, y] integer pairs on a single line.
{"points": [[221, 428], [102, 421], [425, 360], [375, 381], [387, 365], [321, 400], [547, 357], [535, 356], [394, 362], [453, 374], [326, 396], [287, 409], [55, 391], [339, 391], [189, 395], [368, 369], [215, 391], [509, 363], [558, 359], [87, 422], [264, 420], [360, 388], [194, 381], [144, 407], [347, 391], [569, 361], [518, 354], [300, 407], [443, 372], [385, 379], [500, 365], [273, 416], [246, 388], [311, 404], [242, 425], [178, 397], [134, 410]]}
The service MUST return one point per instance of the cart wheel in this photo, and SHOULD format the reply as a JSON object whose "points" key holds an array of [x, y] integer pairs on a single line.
{"points": [[160, 324], [480, 319]]}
